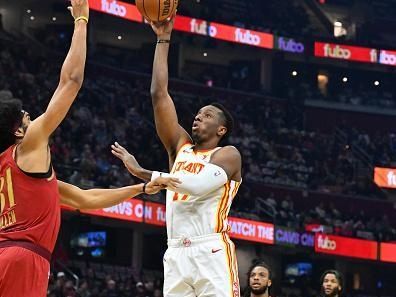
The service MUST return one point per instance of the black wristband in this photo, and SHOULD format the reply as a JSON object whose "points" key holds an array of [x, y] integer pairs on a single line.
{"points": [[144, 187], [163, 41]]}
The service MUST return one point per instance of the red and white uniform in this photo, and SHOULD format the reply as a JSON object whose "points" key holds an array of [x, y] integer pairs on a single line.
{"points": [[29, 226], [200, 260]]}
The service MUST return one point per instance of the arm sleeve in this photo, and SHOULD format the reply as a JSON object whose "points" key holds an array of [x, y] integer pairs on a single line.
{"points": [[210, 178]]}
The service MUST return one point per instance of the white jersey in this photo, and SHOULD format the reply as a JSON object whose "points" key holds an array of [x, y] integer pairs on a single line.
{"points": [[190, 216]]}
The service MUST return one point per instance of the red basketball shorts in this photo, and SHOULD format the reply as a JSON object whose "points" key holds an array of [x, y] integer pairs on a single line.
{"points": [[23, 273]]}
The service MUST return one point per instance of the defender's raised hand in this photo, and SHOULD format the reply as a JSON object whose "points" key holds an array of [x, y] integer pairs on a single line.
{"points": [[79, 8]]}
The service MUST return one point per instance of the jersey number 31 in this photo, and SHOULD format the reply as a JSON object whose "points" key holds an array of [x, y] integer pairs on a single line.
{"points": [[6, 189]]}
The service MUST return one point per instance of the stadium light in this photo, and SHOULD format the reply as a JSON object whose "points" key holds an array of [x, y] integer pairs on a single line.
{"points": [[339, 29]]}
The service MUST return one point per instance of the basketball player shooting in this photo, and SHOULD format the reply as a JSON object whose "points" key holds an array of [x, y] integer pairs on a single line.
{"points": [[30, 194], [200, 259]]}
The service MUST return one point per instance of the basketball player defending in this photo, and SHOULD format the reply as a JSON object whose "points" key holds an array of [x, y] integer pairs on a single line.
{"points": [[30, 195], [200, 260]]}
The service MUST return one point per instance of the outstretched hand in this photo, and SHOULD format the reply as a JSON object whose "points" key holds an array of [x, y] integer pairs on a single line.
{"points": [[79, 8], [164, 29], [161, 183], [129, 160]]}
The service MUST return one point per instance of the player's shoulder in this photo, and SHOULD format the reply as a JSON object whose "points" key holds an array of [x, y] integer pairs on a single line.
{"points": [[7, 153], [229, 151]]}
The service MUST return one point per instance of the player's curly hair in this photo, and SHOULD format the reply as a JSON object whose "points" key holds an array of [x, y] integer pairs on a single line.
{"points": [[258, 263], [337, 275], [10, 120]]}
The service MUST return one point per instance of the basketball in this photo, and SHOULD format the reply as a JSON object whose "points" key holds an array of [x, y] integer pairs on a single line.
{"points": [[157, 10]]}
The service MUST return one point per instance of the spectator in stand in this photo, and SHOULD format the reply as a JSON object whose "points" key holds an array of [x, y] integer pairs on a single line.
{"points": [[111, 290], [331, 284], [157, 293], [259, 280], [59, 284], [141, 290], [84, 290], [69, 290]]}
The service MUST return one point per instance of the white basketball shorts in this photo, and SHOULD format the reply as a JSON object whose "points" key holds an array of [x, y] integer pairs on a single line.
{"points": [[203, 266]]}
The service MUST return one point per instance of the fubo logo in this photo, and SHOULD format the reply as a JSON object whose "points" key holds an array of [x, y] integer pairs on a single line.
{"points": [[391, 177], [326, 243], [290, 45], [337, 52], [112, 7], [202, 28], [247, 37], [388, 58], [346, 52]]}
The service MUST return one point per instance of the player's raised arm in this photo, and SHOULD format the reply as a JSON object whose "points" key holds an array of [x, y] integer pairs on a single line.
{"points": [[172, 135], [130, 162], [225, 165], [101, 198], [71, 79]]}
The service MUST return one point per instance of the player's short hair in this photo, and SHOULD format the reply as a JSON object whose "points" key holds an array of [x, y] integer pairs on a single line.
{"points": [[10, 120], [336, 273], [228, 119], [260, 263]]}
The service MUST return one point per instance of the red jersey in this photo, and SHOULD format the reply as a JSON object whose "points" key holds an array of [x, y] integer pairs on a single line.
{"points": [[29, 207]]}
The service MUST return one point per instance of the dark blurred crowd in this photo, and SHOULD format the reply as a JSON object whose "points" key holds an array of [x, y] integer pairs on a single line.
{"points": [[275, 147], [108, 109], [366, 91], [325, 216], [99, 280], [369, 23], [283, 17]]}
